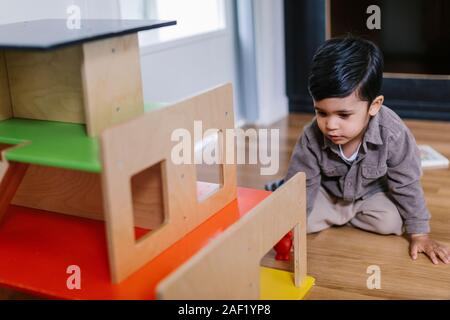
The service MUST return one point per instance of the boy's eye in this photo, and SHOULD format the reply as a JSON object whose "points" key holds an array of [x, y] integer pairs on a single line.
{"points": [[344, 116], [320, 113]]}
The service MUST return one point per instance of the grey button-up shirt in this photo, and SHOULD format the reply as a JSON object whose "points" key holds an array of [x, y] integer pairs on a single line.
{"points": [[388, 161]]}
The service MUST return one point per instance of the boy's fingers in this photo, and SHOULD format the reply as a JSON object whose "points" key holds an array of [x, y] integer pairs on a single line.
{"points": [[432, 256], [447, 251], [443, 255], [413, 252]]}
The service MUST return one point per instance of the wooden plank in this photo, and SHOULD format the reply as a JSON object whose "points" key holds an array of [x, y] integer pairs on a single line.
{"points": [[112, 82], [11, 178], [3, 164], [11, 175], [399, 75], [210, 275], [324, 293], [80, 194], [327, 20], [5, 101], [59, 190], [122, 159], [46, 85]]}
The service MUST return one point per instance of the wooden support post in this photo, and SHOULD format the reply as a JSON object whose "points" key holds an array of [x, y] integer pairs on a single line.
{"points": [[11, 175], [300, 260]]}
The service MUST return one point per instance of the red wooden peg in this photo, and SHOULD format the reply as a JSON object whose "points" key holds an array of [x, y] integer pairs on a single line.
{"points": [[283, 247]]}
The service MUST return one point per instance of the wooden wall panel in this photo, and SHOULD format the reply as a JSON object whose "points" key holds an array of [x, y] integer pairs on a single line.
{"points": [[46, 85], [112, 82]]}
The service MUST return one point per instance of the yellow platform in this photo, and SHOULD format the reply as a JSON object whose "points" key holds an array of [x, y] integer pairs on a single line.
{"points": [[279, 285]]}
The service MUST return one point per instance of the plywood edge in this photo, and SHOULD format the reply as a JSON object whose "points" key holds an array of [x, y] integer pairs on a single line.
{"points": [[4, 164]]}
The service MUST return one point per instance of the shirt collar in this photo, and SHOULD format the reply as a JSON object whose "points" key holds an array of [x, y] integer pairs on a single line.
{"points": [[372, 134]]}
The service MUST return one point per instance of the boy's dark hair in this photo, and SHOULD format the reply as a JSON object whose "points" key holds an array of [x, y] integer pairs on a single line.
{"points": [[343, 65]]}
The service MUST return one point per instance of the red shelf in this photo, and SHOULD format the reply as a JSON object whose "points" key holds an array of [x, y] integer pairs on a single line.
{"points": [[36, 247]]}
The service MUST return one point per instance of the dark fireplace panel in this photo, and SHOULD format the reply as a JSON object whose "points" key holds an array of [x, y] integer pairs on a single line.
{"points": [[414, 34], [414, 38]]}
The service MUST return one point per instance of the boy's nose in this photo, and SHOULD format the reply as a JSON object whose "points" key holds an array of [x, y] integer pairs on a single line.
{"points": [[331, 125]]}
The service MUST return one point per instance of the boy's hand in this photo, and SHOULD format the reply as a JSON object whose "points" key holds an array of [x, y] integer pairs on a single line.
{"points": [[422, 243]]}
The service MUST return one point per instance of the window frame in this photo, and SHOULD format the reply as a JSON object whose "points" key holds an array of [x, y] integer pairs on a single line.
{"points": [[148, 47]]}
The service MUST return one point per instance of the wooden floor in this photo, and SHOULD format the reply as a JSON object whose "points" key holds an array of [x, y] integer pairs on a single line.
{"points": [[339, 257]]}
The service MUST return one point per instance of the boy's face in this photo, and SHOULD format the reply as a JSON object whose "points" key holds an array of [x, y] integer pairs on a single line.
{"points": [[343, 120]]}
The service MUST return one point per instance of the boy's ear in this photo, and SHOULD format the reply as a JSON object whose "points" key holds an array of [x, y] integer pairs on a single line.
{"points": [[376, 105]]}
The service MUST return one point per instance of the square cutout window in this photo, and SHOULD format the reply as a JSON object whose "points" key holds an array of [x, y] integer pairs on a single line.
{"points": [[209, 165], [149, 209]]}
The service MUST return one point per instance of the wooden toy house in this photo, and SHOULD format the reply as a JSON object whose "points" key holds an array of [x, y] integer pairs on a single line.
{"points": [[79, 147]]}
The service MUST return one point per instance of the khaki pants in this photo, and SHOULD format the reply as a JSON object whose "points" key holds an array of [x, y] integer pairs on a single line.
{"points": [[375, 214]]}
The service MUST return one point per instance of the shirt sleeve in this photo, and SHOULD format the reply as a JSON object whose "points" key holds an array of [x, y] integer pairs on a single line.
{"points": [[404, 173], [304, 160]]}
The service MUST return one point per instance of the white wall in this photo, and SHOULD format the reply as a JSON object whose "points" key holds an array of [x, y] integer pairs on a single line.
{"points": [[185, 67], [174, 72]]}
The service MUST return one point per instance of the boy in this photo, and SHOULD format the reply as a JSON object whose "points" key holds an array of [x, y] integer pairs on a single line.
{"points": [[361, 162]]}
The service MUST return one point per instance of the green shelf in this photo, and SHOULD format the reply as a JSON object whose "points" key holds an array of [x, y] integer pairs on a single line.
{"points": [[50, 143], [54, 144]]}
